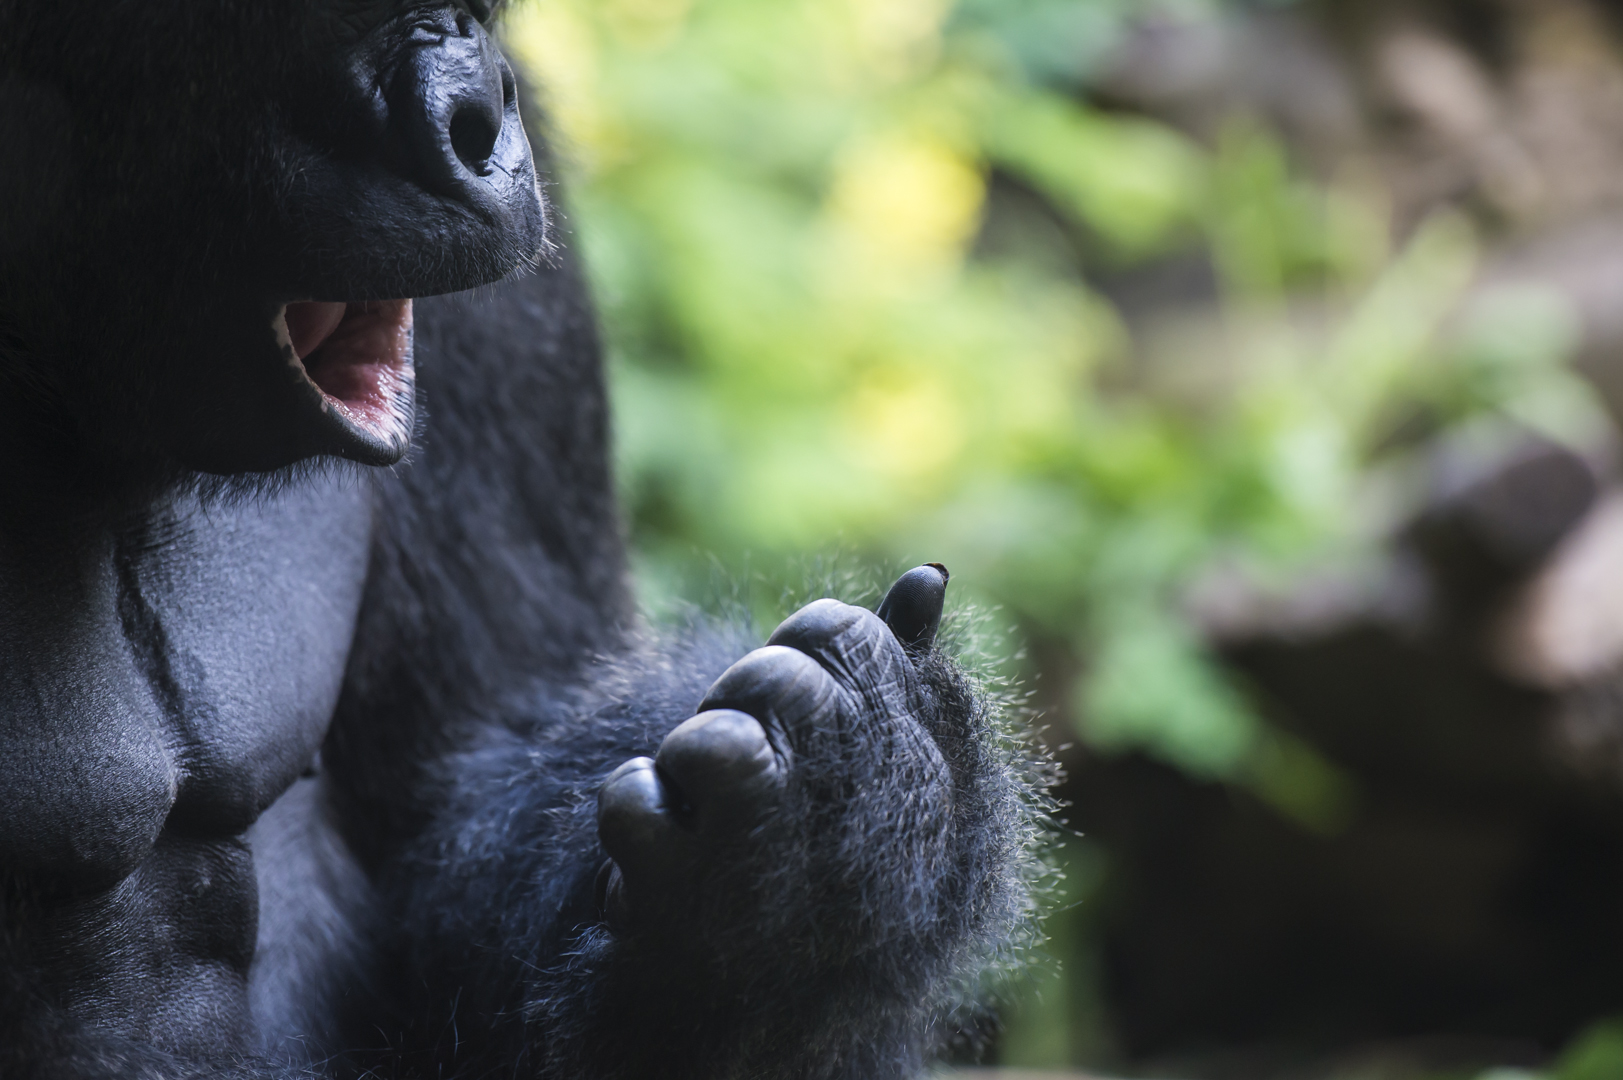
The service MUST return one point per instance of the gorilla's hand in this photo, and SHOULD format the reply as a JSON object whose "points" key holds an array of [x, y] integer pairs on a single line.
{"points": [[810, 781]]}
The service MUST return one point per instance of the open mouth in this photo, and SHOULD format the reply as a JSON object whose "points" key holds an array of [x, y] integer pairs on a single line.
{"points": [[358, 357]]}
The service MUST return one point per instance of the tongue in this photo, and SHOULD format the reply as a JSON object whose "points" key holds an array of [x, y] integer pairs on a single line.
{"points": [[311, 322]]}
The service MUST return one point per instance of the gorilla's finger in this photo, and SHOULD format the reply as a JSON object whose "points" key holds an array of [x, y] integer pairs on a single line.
{"points": [[851, 644], [782, 688], [912, 607], [818, 627], [723, 768], [636, 826]]}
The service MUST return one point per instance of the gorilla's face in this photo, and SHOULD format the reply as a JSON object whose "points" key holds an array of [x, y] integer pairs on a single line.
{"points": [[214, 215]]}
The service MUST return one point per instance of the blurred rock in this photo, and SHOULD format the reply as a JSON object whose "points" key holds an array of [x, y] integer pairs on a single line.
{"points": [[1273, 65], [1478, 889], [1565, 627], [1491, 524], [1470, 684]]}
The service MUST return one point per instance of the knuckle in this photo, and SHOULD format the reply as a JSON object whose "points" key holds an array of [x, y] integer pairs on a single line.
{"points": [[782, 688], [634, 825], [718, 749], [630, 789], [817, 625], [717, 734], [773, 682], [851, 643], [627, 770]]}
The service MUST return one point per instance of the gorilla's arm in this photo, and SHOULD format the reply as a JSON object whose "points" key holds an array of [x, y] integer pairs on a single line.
{"points": [[497, 682], [799, 905]]}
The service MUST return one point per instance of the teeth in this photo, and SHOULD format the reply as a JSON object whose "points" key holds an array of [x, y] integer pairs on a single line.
{"points": [[284, 342]]}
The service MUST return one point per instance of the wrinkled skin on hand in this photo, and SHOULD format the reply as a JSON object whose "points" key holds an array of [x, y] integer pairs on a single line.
{"points": [[770, 751], [809, 857]]}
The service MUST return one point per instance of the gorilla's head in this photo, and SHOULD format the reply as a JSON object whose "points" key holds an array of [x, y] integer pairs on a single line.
{"points": [[214, 215]]}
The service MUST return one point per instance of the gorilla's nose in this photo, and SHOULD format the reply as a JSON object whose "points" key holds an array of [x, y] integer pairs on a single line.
{"points": [[455, 103]]}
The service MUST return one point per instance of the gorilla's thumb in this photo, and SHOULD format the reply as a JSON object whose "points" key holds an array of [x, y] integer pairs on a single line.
{"points": [[912, 607]]}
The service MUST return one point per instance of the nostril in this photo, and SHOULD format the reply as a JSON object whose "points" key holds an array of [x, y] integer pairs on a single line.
{"points": [[454, 127], [473, 138]]}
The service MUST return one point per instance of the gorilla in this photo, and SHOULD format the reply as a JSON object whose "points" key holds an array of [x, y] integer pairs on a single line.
{"points": [[330, 743]]}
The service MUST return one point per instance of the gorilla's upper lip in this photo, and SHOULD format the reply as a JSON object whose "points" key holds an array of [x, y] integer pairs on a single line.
{"points": [[358, 358]]}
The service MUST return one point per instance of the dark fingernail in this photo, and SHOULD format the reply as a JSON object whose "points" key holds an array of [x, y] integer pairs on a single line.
{"points": [[912, 608]]}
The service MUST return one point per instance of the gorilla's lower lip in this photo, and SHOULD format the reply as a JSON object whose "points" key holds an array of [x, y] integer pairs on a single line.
{"points": [[359, 358]]}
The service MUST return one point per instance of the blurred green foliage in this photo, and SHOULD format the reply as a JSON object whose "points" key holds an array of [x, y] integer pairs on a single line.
{"points": [[826, 331], [855, 259], [1595, 1054]]}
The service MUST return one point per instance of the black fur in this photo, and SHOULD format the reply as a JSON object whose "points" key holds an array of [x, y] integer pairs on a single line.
{"points": [[188, 889]]}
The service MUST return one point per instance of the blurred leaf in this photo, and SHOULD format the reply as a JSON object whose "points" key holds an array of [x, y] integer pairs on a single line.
{"points": [[1136, 183], [1044, 40], [1299, 783], [872, 276], [1152, 689], [782, 206], [1597, 1054]]}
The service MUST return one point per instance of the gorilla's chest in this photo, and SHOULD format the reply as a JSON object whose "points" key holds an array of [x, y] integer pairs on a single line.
{"points": [[179, 675]]}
